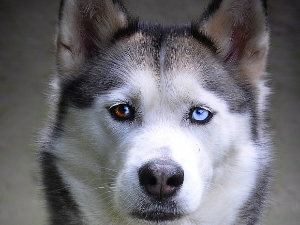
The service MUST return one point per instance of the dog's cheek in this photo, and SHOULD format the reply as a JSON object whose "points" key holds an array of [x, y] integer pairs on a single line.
{"points": [[219, 138]]}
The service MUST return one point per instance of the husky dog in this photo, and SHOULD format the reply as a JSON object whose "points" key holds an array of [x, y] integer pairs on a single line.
{"points": [[156, 124]]}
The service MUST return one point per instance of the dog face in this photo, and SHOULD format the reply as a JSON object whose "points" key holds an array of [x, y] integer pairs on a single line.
{"points": [[159, 125]]}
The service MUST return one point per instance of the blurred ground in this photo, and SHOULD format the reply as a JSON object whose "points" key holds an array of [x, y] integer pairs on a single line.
{"points": [[26, 57]]}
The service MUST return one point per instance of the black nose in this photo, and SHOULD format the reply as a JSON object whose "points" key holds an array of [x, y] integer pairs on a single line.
{"points": [[161, 178]]}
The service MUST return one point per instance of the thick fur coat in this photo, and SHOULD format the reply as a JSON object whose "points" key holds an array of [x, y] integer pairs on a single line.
{"points": [[156, 124]]}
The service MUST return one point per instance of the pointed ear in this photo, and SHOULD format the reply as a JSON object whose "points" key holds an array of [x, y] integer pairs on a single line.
{"points": [[86, 26], [240, 30]]}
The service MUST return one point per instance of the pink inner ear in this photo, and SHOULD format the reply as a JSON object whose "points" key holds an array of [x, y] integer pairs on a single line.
{"points": [[240, 35]]}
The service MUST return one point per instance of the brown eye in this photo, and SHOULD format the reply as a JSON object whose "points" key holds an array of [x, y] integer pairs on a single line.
{"points": [[122, 112]]}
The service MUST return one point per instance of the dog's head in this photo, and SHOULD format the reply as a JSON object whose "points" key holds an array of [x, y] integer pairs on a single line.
{"points": [[160, 123]]}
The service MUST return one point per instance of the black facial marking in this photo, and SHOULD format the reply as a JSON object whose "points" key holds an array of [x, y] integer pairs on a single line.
{"points": [[202, 38], [128, 31], [61, 7], [210, 10], [265, 7], [62, 207]]}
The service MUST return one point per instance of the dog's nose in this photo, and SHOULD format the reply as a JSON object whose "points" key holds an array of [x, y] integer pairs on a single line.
{"points": [[161, 178]]}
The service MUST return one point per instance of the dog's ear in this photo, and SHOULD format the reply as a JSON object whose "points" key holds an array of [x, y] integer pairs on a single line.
{"points": [[86, 27], [240, 30]]}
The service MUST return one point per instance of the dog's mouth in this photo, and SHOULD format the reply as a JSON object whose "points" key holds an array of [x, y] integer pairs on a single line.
{"points": [[157, 216], [158, 213]]}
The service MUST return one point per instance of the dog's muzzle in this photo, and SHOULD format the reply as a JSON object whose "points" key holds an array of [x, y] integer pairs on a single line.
{"points": [[160, 179]]}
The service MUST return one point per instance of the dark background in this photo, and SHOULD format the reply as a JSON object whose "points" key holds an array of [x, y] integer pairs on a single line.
{"points": [[26, 60]]}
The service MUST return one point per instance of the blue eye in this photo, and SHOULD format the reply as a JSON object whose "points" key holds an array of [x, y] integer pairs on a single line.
{"points": [[200, 115]]}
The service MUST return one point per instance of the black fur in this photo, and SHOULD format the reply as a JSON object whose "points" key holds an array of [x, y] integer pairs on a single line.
{"points": [[210, 10], [203, 38], [265, 7], [60, 14], [62, 208], [128, 31]]}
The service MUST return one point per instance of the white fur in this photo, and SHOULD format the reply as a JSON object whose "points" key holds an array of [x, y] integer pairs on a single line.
{"points": [[99, 157]]}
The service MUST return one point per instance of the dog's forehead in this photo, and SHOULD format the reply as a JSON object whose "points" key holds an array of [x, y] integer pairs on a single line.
{"points": [[169, 55], [139, 51], [184, 52], [165, 49], [165, 54]]}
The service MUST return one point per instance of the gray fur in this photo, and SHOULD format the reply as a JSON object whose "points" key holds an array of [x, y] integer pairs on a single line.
{"points": [[98, 56]]}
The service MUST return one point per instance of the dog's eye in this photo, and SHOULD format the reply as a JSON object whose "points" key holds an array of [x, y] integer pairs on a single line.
{"points": [[122, 112], [200, 115]]}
